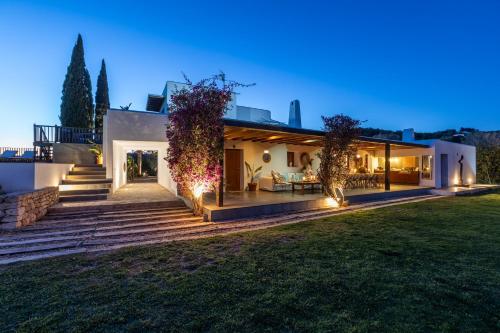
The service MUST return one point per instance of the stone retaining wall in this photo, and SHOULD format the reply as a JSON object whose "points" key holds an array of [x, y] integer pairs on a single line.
{"points": [[19, 209]]}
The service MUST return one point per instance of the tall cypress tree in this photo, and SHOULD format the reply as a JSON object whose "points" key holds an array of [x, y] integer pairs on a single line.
{"points": [[101, 96], [77, 109]]}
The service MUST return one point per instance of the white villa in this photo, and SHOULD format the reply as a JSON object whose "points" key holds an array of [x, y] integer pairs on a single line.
{"points": [[251, 135]]}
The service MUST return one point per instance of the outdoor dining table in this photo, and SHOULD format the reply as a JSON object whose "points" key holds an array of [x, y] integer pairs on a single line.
{"points": [[302, 184]]}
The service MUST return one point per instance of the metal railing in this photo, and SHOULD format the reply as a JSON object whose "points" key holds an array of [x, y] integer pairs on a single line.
{"points": [[45, 136]]}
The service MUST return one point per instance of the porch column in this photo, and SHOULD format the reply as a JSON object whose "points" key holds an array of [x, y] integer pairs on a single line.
{"points": [[387, 167], [139, 163], [219, 196]]}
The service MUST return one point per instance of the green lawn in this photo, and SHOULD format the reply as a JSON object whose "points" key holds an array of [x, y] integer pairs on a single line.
{"points": [[424, 267]]}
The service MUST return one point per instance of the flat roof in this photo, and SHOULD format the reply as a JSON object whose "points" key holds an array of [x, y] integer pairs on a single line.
{"points": [[260, 132]]}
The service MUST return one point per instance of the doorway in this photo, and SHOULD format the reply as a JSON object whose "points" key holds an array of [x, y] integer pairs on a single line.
{"points": [[444, 170], [233, 169], [142, 166]]}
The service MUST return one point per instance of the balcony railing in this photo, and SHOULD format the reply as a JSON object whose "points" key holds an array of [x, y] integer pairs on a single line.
{"points": [[45, 136]]}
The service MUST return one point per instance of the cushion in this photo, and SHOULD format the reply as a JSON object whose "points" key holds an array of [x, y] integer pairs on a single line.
{"points": [[277, 177]]}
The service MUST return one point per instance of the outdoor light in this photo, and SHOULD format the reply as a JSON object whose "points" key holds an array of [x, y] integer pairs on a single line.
{"points": [[198, 190], [331, 202]]}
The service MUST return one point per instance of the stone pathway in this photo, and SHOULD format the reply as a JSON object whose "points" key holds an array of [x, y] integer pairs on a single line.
{"points": [[75, 230]]}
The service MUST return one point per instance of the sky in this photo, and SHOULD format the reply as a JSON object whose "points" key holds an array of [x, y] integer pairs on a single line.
{"points": [[429, 65]]}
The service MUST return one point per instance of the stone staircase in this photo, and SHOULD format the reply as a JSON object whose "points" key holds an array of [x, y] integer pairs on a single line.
{"points": [[85, 182], [87, 229]]}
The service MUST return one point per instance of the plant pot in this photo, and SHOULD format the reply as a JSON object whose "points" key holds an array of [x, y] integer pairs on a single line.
{"points": [[252, 187], [98, 159]]}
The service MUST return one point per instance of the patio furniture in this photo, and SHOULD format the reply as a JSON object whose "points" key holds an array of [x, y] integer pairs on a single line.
{"points": [[28, 154], [303, 183], [274, 183], [8, 154]]}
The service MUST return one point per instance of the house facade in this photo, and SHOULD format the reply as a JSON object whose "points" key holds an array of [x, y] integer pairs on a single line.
{"points": [[284, 149], [253, 136]]}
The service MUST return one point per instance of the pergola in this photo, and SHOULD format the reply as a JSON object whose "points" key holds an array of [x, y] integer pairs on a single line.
{"points": [[261, 132]]}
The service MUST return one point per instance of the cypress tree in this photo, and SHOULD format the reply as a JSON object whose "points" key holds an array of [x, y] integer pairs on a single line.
{"points": [[101, 96], [77, 108]]}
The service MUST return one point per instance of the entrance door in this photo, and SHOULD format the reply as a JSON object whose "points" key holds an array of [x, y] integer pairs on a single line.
{"points": [[233, 167], [444, 170]]}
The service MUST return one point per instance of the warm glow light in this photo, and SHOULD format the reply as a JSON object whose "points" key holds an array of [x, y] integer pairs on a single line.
{"points": [[266, 151], [309, 141], [358, 156], [469, 180], [272, 137], [198, 190], [332, 202]]}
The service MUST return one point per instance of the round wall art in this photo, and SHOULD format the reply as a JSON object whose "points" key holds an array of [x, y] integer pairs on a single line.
{"points": [[266, 157]]}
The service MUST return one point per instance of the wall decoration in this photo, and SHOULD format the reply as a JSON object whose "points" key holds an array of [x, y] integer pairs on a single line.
{"points": [[266, 157]]}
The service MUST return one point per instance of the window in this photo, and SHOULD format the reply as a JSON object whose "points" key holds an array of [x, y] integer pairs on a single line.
{"points": [[426, 167], [290, 159]]}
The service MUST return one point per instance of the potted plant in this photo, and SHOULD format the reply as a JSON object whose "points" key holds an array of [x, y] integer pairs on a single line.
{"points": [[252, 173], [97, 151]]}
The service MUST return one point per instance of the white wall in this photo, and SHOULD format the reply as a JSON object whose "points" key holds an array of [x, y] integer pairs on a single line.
{"points": [[50, 174], [438, 147], [120, 149], [16, 177], [120, 125]]}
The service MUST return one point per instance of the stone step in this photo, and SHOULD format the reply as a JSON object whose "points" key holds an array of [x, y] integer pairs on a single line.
{"points": [[93, 212], [71, 223], [118, 206], [82, 197], [86, 181], [88, 172], [89, 191], [85, 233], [91, 176], [74, 220], [110, 238], [88, 166], [71, 187]]}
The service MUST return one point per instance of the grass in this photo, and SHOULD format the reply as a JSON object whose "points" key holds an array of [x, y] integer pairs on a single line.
{"points": [[428, 266]]}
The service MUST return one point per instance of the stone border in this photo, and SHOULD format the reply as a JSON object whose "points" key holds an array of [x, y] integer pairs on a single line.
{"points": [[19, 209]]}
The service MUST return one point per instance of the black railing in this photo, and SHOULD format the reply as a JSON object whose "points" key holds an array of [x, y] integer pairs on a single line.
{"points": [[45, 136]]}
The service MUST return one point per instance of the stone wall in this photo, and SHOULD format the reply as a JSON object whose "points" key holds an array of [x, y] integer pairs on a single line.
{"points": [[19, 209]]}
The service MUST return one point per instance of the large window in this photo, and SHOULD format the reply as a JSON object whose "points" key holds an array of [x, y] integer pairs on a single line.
{"points": [[426, 167]]}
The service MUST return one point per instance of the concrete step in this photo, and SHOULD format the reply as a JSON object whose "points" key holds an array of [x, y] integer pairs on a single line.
{"points": [[114, 207], [92, 212], [86, 191], [96, 216], [93, 176], [74, 187], [88, 166], [88, 172], [102, 220], [32, 245], [83, 232], [82, 197], [87, 181]]}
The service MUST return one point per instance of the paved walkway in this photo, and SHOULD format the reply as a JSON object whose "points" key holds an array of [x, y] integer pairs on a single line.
{"points": [[142, 192], [83, 230]]}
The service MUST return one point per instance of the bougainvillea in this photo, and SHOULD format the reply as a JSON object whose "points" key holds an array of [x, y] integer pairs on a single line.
{"points": [[341, 132], [195, 134]]}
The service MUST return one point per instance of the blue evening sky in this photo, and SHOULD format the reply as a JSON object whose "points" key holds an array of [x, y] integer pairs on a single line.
{"points": [[425, 64]]}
